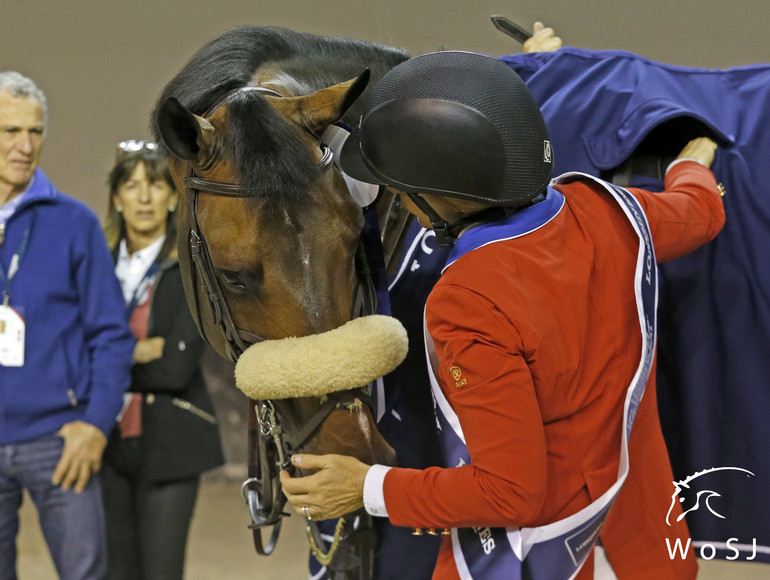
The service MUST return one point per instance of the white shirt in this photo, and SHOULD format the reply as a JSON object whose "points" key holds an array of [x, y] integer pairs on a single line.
{"points": [[374, 495], [130, 270]]}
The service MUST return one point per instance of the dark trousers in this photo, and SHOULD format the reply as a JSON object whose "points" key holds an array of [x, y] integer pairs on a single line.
{"points": [[147, 523]]}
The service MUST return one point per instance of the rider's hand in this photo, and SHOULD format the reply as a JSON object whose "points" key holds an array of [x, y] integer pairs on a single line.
{"points": [[543, 40], [701, 150], [335, 489]]}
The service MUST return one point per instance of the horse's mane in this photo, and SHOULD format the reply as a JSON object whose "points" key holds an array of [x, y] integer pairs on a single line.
{"points": [[268, 155]]}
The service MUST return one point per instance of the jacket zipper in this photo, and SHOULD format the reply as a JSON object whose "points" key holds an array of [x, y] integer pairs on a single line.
{"points": [[188, 406], [176, 401]]}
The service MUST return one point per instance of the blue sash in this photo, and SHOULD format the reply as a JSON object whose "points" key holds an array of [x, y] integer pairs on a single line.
{"points": [[558, 550]]}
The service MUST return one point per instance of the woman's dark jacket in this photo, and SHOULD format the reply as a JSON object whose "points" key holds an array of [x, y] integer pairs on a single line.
{"points": [[180, 435]]}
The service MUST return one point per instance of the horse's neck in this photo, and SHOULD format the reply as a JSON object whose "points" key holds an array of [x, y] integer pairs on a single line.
{"points": [[332, 61]]}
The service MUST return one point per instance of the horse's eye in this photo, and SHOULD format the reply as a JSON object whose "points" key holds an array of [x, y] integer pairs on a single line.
{"points": [[232, 279]]}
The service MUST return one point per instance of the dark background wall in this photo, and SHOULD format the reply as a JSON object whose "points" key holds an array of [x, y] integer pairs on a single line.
{"points": [[102, 64]]}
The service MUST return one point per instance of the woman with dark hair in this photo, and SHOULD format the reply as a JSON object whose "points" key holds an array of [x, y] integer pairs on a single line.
{"points": [[167, 433]]}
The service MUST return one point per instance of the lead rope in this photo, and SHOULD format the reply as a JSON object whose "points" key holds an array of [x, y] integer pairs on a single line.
{"points": [[325, 558]]}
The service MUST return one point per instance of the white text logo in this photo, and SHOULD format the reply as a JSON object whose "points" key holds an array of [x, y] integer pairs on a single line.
{"points": [[692, 500], [680, 487], [485, 536]]}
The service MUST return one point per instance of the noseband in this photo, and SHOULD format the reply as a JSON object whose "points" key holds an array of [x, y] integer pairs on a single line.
{"points": [[271, 439]]}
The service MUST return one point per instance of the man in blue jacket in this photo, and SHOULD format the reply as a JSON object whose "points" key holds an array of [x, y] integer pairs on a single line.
{"points": [[65, 348]]}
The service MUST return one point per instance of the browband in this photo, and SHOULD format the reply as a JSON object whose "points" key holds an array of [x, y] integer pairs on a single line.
{"points": [[236, 189]]}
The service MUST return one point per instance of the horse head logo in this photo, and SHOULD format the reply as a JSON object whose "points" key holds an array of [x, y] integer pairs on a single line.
{"points": [[680, 487]]}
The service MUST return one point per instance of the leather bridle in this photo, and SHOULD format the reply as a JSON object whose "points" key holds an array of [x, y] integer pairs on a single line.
{"points": [[236, 339], [272, 438]]}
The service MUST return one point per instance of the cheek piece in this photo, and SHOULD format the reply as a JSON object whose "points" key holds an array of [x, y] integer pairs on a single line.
{"points": [[364, 194]]}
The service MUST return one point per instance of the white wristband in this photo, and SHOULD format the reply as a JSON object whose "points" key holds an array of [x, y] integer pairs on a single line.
{"points": [[676, 161]]}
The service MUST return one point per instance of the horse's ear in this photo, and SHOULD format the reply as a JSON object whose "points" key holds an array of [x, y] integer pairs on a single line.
{"points": [[186, 135], [355, 90], [322, 108]]}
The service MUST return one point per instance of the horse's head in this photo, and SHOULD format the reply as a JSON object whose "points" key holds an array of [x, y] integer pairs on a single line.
{"points": [[282, 250], [269, 233]]}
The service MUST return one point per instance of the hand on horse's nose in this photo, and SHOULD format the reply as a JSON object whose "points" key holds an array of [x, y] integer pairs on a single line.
{"points": [[335, 489]]}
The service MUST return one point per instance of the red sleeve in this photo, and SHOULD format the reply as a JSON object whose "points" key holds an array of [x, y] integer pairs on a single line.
{"points": [[500, 418], [685, 216]]}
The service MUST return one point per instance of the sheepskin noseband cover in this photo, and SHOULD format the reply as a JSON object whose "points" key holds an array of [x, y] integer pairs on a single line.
{"points": [[347, 357]]}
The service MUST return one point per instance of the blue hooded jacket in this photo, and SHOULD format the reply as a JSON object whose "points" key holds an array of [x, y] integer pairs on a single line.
{"points": [[78, 344]]}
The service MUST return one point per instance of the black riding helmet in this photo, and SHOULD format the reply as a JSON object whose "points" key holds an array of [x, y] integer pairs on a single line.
{"points": [[453, 123]]}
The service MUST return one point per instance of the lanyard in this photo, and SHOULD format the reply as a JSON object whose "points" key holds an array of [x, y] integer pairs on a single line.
{"points": [[18, 255], [141, 287]]}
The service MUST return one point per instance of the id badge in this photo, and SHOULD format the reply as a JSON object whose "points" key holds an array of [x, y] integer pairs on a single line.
{"points": [[12, 330]]}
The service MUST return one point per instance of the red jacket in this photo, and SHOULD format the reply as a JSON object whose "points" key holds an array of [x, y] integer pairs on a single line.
{"points": [[545, 332]]}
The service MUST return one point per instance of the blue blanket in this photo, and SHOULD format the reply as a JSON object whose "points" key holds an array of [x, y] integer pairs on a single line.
{"points": [[602, 107]]}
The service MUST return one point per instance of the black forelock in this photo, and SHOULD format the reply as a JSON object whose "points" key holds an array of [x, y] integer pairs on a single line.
{"points": [[267, 153], [269, 157], [231, 60]]}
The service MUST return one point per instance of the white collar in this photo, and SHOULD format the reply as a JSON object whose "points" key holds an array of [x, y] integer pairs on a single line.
{"points": [[145, 255], [130, 270]]}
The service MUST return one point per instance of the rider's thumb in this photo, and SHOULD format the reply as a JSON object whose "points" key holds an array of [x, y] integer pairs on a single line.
{"points": [[306, 461]]}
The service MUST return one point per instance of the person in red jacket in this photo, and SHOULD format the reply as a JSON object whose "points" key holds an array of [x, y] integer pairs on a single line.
{"points": [[540, 333]]}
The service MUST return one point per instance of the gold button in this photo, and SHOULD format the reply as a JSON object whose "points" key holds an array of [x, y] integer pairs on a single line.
{"points": [[150, 399]]}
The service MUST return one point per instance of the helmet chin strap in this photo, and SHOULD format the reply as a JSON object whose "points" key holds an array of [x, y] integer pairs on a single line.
{"points": [[446, 233], [440, 226]]}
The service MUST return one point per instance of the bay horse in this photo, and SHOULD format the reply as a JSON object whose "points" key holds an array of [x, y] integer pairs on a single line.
{"points": [[269, 235]]}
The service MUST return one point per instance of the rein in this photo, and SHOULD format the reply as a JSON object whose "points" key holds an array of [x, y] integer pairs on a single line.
{"points": [[272, 439]]}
